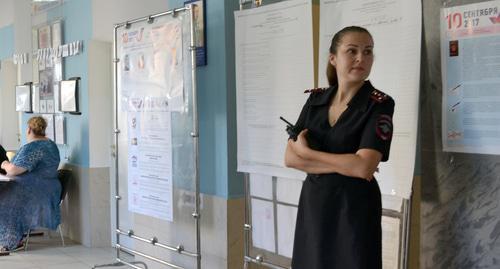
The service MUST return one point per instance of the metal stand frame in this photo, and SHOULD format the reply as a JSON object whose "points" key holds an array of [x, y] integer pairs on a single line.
{"points": [[194, 134], [403, 215], [259, 259], [404, 231]]}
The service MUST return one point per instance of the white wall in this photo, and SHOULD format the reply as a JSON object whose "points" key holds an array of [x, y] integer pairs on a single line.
{"points": [[6, 12], [107, 13], [100, 103], [8, 115], [22, 37]]}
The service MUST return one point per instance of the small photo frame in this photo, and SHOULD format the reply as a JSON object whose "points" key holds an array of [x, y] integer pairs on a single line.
{"points": [[56, 34], [50, 106], [23, 98], [44, 37], [200, 42], [68, 97], [453, 48], [43, 106]]}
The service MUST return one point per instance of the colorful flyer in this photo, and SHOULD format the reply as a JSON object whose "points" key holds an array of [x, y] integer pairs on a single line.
{"points": [[470, 47]]}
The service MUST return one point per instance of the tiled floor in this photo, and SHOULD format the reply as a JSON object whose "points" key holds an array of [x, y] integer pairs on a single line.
{"points": [[47, 253]]}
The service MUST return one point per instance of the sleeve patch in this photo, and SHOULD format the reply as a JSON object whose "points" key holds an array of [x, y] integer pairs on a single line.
{"points": [[384, 127]]}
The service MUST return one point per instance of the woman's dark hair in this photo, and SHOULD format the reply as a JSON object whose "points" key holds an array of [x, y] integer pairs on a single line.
{"points": [[37, 125], [331, 72]]}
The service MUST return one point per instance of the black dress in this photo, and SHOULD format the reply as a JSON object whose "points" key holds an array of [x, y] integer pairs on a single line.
{"points": [[339, 217], [3, 157]]}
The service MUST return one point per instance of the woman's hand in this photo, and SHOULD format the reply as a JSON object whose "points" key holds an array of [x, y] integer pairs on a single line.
{"points": [[4, 163], [300, 147], [11, 169]]}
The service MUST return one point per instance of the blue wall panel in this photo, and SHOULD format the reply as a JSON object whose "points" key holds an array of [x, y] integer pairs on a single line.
{"points": [[6, 42], [216, 103], [77, 25]]}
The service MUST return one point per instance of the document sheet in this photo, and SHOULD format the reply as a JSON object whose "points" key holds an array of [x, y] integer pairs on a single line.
{"points": [[396, 30], [274, 65]]}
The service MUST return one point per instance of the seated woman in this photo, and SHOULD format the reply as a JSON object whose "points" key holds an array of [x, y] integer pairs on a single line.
{"points": [[3, 157], [32, 199]]}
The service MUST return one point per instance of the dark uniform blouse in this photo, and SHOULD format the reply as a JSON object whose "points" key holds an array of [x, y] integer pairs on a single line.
{"points": [[339, 217]]}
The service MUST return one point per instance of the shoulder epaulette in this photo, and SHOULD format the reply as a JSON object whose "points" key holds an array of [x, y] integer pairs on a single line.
{"points": [[315, 90], [378, 96]]}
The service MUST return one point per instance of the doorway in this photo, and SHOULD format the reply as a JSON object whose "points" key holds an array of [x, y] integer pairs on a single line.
{"points": [[9, 119]]}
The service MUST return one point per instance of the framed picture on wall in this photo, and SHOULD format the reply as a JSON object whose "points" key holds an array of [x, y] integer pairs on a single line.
{"points": [[199, 30], [57, 37], [56, 30], [38, 7], [44, 40], [34, 39], [69, 95], [23, 98], [47, 66]]}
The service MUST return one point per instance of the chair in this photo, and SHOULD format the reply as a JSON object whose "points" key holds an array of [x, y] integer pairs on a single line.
{"points": [[64, 176]]}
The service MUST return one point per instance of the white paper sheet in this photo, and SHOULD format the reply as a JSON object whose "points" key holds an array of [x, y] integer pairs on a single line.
{"points": [[392, 202], [288, 190], [59, 130], [68, 95], [5, 178], [261, 186], [35, 98], [390, 242], [470, 38], [263, 225], [150, 186], [287, 216], [396, 71], [274, 65], [49, 131]]}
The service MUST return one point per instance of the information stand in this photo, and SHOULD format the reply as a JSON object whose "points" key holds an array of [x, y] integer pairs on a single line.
{"points": [[156, 139]]}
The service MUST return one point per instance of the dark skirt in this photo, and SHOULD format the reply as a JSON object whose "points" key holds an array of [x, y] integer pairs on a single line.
{"points": [[338, 224]]}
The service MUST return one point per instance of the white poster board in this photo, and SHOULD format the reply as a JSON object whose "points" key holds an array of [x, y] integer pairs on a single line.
{"points": [[470, 38], [152, 60], [396, 71], [274, 65], [69, 95], [151, 87]]}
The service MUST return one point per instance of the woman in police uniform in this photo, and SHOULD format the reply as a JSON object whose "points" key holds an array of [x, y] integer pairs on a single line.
{"points": [[346, 132]]}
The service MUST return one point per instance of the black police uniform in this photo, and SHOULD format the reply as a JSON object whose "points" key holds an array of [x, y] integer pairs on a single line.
{"points": [[339, 217]]}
